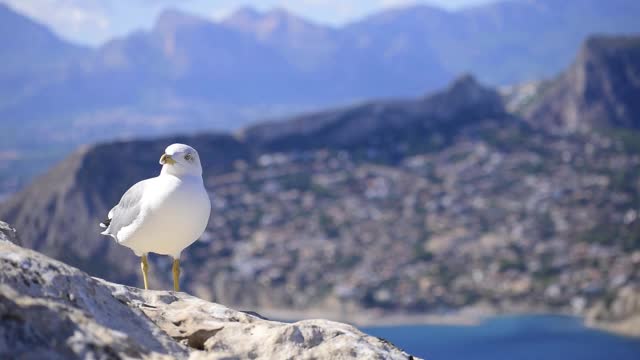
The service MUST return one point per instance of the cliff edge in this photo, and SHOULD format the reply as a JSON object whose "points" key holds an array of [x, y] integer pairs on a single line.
{"points": [[49, 309]]}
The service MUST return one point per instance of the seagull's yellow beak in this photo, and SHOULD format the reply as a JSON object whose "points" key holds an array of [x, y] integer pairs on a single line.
{"points": [[166, 159]]}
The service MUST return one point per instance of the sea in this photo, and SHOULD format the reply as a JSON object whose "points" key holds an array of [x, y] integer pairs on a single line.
{"points": [[534, 337]]}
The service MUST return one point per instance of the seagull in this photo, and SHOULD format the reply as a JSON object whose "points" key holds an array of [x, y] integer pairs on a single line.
{"points": [[164, 214]]}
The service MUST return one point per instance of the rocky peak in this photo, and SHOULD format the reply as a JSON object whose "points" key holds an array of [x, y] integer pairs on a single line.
{"points": [[250, 17], [282, 17], [600, 89], [467, 90], [265, 25], [465, 84], [403, 13], [608, 74], [171, 19], [245, 14], [52, 310], [8, 234]]}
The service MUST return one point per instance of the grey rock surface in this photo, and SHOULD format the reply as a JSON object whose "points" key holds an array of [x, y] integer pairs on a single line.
{"points": [[599, 90], [7, 233], [54, 311]]}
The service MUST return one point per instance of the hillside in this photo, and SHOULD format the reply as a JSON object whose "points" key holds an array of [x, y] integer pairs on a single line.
{"points": [[422, 205]]}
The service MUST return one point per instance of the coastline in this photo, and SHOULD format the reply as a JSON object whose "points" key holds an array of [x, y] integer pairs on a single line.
{"points": [[629, 327], [468, 316], [366, 318]]}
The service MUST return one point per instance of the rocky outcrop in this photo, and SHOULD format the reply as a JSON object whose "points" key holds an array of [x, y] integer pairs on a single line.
{"points": [[8, 234], [51, 310], [599, 90], [621, 314]]}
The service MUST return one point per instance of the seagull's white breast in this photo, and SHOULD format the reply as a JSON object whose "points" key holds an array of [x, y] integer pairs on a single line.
{"points": [[175, 212]]}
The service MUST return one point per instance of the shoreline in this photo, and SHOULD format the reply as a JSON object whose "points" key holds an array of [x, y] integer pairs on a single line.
{"points": [[468, 316], [629, 327]]}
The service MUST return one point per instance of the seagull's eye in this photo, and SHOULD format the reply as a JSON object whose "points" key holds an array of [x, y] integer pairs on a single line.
{"points": [[188, 157]]}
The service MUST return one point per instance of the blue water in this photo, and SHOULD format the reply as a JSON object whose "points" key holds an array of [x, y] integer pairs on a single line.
{"points": [[534, 337]]}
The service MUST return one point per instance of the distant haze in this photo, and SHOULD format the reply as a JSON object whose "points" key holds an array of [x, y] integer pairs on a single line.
{"points": [[92, 22]]}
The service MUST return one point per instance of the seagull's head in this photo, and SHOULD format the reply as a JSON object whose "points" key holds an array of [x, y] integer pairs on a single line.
{"points": [[181, 159]]}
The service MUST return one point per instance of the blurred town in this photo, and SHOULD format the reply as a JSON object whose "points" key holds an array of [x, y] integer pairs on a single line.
{"points": [[503, 215]]}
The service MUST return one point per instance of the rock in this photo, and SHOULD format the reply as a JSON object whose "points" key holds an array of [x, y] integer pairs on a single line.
{"points": [[51, 310], [225, 333], [7, 233], [598, 91], [621, 314]]}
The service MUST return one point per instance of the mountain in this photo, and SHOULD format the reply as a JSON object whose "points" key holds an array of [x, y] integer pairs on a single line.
{"points": [[305, 45], [188, 68], [143, 84], [188, 74], [505, 42], [598, 91], [33, 59], [32, 56], [441, 202], [183, 59]]}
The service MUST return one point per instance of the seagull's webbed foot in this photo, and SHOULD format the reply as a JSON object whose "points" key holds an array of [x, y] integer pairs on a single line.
{"points": [[144, 265], [176, 274]]}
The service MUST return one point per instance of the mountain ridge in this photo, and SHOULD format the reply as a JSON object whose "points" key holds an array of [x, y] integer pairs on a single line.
{"points": [[357, 125], [337, 55]]}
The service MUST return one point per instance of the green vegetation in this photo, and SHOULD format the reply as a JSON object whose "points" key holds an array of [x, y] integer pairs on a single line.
{"points": [[421, 254], [626, 237], [629, 138], [300, 181]]}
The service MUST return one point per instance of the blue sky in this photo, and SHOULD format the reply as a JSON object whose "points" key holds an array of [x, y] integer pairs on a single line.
{"points": [[94, 21]]}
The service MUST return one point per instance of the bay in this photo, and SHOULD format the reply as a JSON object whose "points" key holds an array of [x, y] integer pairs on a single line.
{"points": [[549, 337]]}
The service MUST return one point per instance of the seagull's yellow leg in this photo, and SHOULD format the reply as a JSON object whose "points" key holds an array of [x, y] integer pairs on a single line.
{"points": [[144, 265], [176, 274]]}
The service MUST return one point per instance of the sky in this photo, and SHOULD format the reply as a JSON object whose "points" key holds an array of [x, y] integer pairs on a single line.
{"points": [[92, 22]]}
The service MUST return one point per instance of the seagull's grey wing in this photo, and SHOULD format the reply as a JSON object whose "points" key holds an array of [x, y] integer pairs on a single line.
{"points": [[127, 210]]}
